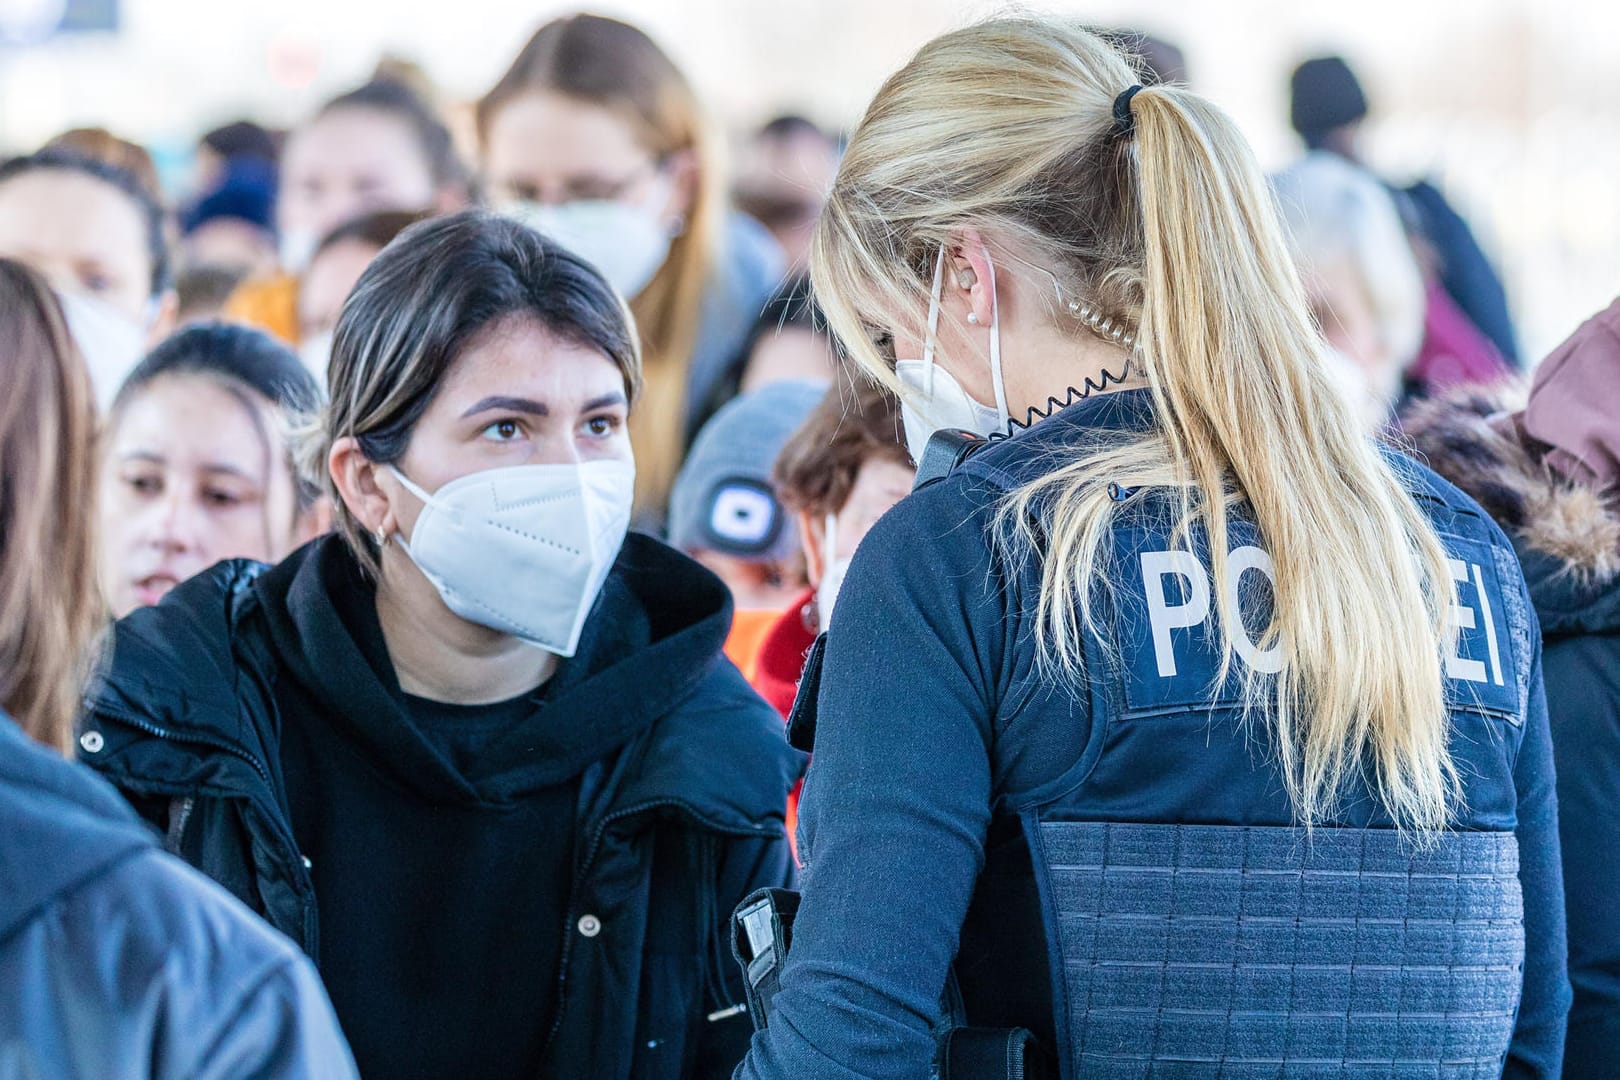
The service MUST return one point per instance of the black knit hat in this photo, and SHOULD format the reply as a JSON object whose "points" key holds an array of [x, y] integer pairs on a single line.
{"points": [[1325, 94]]}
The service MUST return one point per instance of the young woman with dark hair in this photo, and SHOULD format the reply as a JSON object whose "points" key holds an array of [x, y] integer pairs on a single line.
{"points": [[478, 751]]}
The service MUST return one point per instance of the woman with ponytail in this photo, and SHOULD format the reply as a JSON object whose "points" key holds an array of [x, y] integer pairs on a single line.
{"points": [[1173, 723]]}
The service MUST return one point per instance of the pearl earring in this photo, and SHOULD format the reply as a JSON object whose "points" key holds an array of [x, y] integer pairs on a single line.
{"points": [[973, 317]]}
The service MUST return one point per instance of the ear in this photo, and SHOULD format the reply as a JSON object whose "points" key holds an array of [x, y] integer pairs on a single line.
{"points": [[813, 543], [361, 484], [969, 276], [686, 176], [163, 323]]}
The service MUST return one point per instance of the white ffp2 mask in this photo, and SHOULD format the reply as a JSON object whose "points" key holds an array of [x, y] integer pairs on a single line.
{"points": [[832, 574], [524, 550], [626, 242], [931, 399], [111, 342]]}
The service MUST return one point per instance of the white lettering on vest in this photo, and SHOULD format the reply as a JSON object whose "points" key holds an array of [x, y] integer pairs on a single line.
{"points": [[1463, 618], [1163, 617], [1249, 557]]}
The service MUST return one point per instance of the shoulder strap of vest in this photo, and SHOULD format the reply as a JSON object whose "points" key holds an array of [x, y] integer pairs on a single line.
{"points": [[945, 452]]}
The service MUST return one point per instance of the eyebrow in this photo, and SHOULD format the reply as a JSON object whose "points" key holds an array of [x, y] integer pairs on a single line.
{"points": [[604, 401], [515, 404], [147, 457]]}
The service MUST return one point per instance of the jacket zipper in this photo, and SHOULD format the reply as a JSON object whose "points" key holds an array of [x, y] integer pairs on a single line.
{"points": [[584, 868], [140, 724], [299, 871]]}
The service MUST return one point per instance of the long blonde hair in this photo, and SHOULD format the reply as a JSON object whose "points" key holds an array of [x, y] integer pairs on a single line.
{"points": [[614, 65], [1008, 127], [50, 607]]}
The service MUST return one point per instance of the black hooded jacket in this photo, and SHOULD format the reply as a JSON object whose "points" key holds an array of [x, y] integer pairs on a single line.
{"points": [[678, 774]]}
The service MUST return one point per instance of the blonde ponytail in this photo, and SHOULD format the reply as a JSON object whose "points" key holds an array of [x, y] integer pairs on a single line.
{"points": [[1007, 127]]}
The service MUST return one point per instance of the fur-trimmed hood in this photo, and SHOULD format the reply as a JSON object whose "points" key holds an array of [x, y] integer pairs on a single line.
{"points": [[1567, 535]]}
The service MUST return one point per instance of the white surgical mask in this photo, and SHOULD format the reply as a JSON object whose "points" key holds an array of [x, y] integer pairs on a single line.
{"points": [[296, 248], [832, 576], [626, 242], [316, 353], [931, 399], [524, 550], [111, 342]]}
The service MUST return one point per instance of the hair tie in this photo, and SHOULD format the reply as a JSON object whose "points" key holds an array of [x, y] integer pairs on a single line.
{"points": [[1124, 119]]}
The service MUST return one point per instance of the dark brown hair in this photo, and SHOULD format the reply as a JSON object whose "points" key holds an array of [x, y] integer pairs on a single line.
{"points": [[417, 308], [50, 606], [817, 468]]}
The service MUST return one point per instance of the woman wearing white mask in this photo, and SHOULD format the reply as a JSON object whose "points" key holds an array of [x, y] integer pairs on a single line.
{"points": [[477, 752], [597, 139], [1145, 732], [97, 235]]}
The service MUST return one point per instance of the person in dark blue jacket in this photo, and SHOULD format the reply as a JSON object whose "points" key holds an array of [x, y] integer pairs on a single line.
{"points": [[116, 960], [478, 752], [1546, 465], [1182, 727]]}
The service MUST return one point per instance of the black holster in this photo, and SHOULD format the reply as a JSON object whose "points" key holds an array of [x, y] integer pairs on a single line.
{"points": [[761, 935]]}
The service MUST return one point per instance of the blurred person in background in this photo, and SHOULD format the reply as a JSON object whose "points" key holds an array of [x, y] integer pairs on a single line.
{"points": [[1547, 468], [98, 236], [336, 266], [1157, 60], [789, 343], [99, 144], [377, 147], [118, 961], [238, 142], [1327, 107], [198, 463], [782, 176], [1114, 738], [594, 137], [723, 510], [232, 225], [1361, 279], [478, 751]]}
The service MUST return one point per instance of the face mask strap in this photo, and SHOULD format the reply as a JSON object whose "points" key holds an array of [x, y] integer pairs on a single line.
{"points": [[933, 323], [829, 532], [995, 342]]}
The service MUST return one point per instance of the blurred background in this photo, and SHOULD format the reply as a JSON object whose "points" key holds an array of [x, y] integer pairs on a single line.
{"points": [[1509, 105]]}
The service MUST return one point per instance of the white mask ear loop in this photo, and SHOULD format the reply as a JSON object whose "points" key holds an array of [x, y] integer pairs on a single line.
{"points": [[933, 323], [829, 540], [995, 343]]}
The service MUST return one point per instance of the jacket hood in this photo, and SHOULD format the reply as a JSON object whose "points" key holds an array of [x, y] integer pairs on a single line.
{"points": [[1567, 535], [62, 824], [657, 627], [1574, 400], [202, 667]]}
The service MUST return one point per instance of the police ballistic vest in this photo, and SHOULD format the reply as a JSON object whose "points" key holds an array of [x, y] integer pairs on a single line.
{"points": [[1186, 943]]}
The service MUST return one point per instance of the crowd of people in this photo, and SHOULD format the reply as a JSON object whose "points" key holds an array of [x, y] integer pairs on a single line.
{"points": [[430, 555]]}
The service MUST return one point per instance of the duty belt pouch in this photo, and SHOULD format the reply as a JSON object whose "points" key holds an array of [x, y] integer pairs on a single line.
{"points": [[761, 934], [990, 1054]]}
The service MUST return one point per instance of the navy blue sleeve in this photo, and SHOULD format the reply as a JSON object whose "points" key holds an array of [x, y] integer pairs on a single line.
{"points": [[896, 804], [1538, 1038]]}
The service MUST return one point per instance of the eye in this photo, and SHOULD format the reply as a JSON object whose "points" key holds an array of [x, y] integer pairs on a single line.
{"points": [[603, 426], [524, 191], [221, 499], [504, 430], [96, 281], [145, 485]]}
